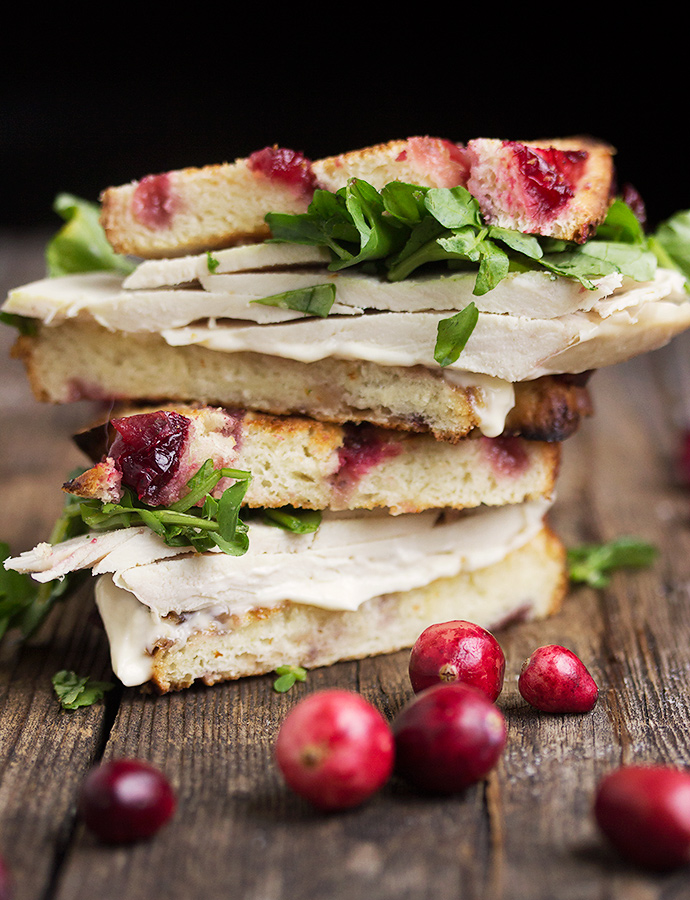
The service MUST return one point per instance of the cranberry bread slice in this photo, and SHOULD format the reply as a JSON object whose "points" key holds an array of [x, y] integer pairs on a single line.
{"points": [[559, 188], [196, 209], [296, 461]]}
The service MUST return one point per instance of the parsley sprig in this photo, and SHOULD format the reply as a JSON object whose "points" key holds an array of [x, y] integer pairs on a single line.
{"points": [[395, 231], [74, 691], [593, 564], [287, 677]]}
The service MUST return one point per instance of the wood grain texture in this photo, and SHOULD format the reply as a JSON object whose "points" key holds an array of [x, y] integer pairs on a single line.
{"points": [[526, 833]]}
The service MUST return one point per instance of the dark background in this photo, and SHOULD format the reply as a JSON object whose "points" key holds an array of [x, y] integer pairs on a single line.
{"points": [[87, 117]]}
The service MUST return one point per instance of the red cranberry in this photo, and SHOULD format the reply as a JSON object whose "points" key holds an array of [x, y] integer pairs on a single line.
{"points": [[153, 203], [335, 749], [548, 176], [362, 449], [554, 679], [507, 455], [457, 651], [644, 811], [125, 800], [288, 166], [147, 451], [447, 738]]}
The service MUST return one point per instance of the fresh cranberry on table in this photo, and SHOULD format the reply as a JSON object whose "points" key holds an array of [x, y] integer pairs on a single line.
{"points": [[553, 679], [125, 800], [644, 812], [457, 651], [335, 749], [447, 738]]}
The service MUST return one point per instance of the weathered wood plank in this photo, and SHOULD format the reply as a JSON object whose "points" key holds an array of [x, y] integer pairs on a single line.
{"points": [[526, 834]]}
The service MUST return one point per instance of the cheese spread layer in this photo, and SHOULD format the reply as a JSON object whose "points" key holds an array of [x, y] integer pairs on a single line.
{"points": [[350, 559]]}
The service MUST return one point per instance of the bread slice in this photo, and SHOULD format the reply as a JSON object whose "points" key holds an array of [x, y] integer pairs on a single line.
{"points": [[527, 584], [201, 208], [82, 361], [195, 209], [559, 188], [297, 461]]}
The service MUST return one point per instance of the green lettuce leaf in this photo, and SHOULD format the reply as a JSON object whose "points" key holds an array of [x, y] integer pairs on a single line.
{"points": [[316, 300], [81, 245], [453, 334], [24, 603], [298, 521]]}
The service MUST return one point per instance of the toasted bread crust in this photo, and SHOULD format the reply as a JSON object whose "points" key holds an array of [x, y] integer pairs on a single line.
{"points": [[75, 361]]}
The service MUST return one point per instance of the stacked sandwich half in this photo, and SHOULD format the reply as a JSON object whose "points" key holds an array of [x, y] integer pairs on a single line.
{"points": [[339, 394]]}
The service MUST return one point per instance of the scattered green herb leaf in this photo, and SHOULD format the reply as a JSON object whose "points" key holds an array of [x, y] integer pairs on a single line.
{"points": [[74, 691], [453, 333], [315, 300], [592, 564], [287, 676], [212, 262]]}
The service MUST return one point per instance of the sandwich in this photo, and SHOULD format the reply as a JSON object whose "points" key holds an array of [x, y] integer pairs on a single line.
{"points": [[338, 394]]}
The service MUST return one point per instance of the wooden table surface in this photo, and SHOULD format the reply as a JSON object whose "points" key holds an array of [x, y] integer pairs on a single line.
{"points": [[525, 834]]}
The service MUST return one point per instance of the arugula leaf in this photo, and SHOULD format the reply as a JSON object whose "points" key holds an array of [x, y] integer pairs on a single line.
{"points": [[316, 300], [74, 691], [81, 245], [453, 333], [299, 521], [592, 563], [23, 324], [621, 225], [403, 227], [198, 519], [287, 676]]}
